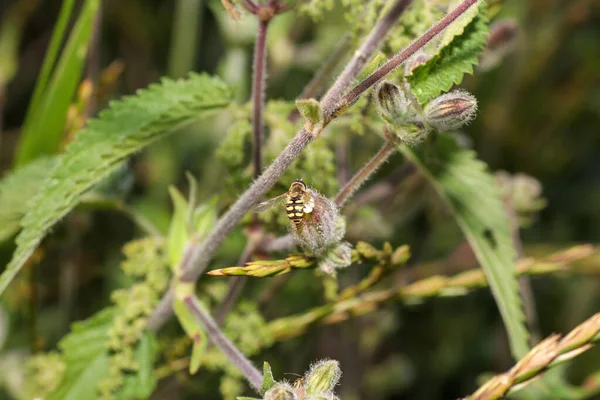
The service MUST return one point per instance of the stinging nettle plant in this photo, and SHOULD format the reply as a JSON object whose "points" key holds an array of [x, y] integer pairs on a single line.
{"points": [[397, 68]]}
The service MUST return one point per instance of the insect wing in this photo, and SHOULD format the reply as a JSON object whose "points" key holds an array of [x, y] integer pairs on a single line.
{"points": [[270, 204]]}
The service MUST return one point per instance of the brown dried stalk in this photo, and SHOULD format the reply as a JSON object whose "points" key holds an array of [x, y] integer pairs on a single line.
{"points": [[548, 353]]}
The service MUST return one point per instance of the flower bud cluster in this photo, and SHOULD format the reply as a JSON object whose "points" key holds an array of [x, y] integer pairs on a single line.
{"points": [[145, 259], [317, 384], [447, 112]]}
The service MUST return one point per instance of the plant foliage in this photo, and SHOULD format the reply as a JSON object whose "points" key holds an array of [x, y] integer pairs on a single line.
{"points": [[452, 61], [126, 127], [474, 199]]}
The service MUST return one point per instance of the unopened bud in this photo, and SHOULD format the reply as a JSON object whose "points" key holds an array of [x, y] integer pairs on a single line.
{"points": [[322, 228], [451, 110], [322, 377], [412, 133], [337, 258], [391, 103], [281, 391]]}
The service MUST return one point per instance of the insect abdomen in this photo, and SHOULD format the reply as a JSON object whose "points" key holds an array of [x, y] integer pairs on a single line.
{"points": [[295, 209]]}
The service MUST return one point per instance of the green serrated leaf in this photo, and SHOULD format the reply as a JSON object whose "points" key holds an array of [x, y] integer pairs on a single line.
{"points": [[141, 384], [268, 381], [178, 232], [44, 126], [247, 398], [457, 58], [126, 127], [87, 361], [474, 198], [457, 27], [16, 189]]}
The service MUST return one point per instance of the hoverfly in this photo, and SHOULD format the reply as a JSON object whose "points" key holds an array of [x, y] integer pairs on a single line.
{"points": [[298, 202]]}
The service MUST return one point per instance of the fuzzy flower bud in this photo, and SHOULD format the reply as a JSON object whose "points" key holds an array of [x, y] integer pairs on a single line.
{"points": [[392, 104], [412, 133], [336, 258], [322, 377], [451, 110], [281, 391], [322, 228]]}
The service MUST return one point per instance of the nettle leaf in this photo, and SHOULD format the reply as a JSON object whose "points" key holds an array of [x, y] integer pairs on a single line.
{"points": [[87, 361], [16, 189], [86, 358], [474, 199], [453, 60], [141, 384], [268, 380], [126, 127]]}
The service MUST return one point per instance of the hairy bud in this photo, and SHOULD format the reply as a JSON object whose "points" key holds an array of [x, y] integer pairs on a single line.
{"points": [[451, 110], [281, 391], [412, 132], [392, 104], [322, 377], [336, 258], [321, 229]]}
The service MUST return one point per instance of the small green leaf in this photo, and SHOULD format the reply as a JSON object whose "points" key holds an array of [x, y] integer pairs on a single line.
{"points": [[58, 34], [457, 27], [204, 218], [454, 60], [126, 127], [268, 381], [44, 127], [474, 198], [178, 232], [86, 358], [310, 109], [247, 398], [141, 384]]}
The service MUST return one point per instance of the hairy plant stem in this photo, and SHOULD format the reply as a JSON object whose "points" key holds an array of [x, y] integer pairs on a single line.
{"points": [[365, 173], [402, 56], [252, 374], [314, 87], [198, 254], [364, 53], [258, 92]]}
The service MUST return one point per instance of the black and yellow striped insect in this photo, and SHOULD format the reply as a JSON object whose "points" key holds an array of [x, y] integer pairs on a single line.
{"points": [[298, 202]]}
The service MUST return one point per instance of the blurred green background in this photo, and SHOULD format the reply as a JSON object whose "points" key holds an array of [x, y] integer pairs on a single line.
{"points": [[539, 114]]}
